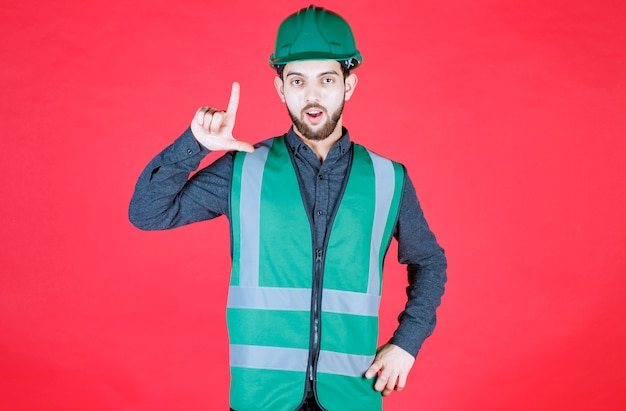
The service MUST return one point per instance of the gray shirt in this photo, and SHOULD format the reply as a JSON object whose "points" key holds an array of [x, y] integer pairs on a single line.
{"points": [[165, 197]]}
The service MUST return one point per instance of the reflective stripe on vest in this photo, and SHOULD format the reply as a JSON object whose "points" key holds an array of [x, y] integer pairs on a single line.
{"points": [[272, 277], [291, 359]]}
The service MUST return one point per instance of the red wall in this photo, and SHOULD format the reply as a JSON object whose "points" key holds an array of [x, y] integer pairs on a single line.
{"points": [[509, 116]]}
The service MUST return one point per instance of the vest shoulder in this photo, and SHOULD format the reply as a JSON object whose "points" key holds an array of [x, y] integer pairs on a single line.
{"points": [[380, 156], [261, 146]]}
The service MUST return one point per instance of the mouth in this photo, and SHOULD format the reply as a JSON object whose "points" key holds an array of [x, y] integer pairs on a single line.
{"points": [[314, 114]]}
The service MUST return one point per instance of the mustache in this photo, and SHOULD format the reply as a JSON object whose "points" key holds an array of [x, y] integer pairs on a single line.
{"points": [[313, 105]]}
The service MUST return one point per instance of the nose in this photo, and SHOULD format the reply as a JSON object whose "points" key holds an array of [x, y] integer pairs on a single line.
{"points": [[312, 94]]}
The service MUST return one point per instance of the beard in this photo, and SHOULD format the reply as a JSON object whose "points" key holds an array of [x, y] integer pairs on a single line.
{"points": [[327, 128]]}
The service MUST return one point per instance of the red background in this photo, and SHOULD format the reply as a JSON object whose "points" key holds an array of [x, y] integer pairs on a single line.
{"points": [[508, 114]]}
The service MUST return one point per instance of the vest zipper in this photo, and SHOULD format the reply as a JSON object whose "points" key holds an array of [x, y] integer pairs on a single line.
{"points": [[316, 310], [316, 300]]}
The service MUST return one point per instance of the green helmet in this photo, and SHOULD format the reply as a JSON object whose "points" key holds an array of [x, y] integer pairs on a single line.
{"points": [[315, 33]]}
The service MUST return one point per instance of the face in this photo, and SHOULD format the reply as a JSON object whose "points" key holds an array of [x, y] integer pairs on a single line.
{"points": [[314, 92]]}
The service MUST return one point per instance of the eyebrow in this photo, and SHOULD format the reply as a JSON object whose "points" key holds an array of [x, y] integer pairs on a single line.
{"points": [[325, 73]]}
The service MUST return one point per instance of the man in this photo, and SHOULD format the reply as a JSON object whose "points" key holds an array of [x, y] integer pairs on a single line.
{"points": [[311, 217]]}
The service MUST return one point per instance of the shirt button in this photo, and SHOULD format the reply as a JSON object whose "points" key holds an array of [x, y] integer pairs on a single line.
{"points": [[189, 151], [319, 212]]}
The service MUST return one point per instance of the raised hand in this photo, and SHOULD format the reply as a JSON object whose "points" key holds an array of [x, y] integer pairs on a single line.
{"points": [[214, 128]]}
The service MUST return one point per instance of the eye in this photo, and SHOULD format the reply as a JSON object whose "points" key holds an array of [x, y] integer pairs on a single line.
{"points": [[328, 80], [296, 82]]}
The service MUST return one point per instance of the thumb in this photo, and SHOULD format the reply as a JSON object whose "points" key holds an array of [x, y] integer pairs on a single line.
{"points": [[243, 146]]}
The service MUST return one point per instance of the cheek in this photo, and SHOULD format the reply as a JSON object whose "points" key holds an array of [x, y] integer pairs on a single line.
{"points": [[292, 100], [292, 106], [336, 99]]}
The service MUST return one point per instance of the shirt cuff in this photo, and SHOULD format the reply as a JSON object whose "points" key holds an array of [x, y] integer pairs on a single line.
{"points": [[186, 148]]}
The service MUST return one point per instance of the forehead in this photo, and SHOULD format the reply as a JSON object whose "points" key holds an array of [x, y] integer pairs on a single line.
{"points": [[313, 68]]}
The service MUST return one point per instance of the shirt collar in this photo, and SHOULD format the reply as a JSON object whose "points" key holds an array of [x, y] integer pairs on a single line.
{"points": [[296, 143]]}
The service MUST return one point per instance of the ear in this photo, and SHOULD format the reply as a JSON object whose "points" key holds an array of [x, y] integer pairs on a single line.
{"points": [[350, 85], [278, 83]]}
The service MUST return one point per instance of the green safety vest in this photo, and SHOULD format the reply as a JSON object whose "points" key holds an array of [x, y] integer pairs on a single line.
{"points": [[284, 330]]}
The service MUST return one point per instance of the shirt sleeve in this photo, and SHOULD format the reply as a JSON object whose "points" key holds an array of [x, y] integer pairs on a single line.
{"points": [[165, 197], [426, 269]]}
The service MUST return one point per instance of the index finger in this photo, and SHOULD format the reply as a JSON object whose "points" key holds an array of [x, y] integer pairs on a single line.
{"points": [[233, 103], [373, 369]]}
